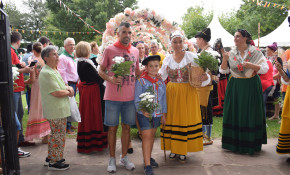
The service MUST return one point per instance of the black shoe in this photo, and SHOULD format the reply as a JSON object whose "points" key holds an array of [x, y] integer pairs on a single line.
{"points": [[148, 170], [46, 163], [172, 156], [153, 163], [58, 166], [130, 151]]}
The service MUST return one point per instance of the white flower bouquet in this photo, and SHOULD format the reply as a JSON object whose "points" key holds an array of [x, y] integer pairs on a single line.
{"points": [[121, 68], [15, 73], [148, 103]]}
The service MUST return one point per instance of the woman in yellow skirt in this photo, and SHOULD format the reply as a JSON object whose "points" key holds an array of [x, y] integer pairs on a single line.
{"points": [[283, 146], [183, 130]]}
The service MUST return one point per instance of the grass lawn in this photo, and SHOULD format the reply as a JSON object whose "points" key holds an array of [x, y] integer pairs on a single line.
{"points": [[272, 129]]}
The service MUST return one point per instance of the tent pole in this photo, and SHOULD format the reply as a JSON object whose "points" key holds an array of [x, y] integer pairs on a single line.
{"points": [[258, 34]]}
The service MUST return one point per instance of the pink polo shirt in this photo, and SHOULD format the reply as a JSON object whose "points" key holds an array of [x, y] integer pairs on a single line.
{"points": [[67, 68], [128, 85]]}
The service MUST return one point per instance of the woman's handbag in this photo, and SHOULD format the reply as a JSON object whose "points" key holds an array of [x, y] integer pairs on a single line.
{"points": [[75, 113], [194, 73]]}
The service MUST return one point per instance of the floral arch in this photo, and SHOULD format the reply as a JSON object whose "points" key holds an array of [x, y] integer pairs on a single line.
{"points": [[146, 24]]}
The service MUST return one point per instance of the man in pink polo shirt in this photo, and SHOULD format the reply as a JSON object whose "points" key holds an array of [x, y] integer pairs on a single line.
{"points": [[120, 101], [67, 67]]}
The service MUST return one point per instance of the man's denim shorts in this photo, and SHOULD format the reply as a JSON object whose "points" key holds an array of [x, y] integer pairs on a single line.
{"points": [[113, 110]]}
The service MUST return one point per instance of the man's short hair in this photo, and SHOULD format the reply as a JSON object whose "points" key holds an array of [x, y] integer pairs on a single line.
{"points": [[15, 37], [43, 40], [67, 40], [126, 24]]}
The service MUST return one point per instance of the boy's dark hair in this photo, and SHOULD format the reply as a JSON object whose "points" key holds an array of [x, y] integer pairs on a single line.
{"points": [[43, 40], [29, 48], [151, 58], [15, 37]]}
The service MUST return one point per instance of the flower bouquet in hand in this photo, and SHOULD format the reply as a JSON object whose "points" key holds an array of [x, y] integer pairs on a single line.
{"points": [[208, 60], [15, 75], [148, 103], [121, 68]]}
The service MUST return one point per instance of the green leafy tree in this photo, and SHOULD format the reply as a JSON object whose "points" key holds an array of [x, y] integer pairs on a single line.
{"points": [[250, 14], [94, 12], [230, 21], [16, 18], [195, 20]]}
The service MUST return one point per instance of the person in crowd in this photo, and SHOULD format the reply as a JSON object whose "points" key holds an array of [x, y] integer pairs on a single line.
{"points": [[141, 47], [93, 57], [91, 135], [285, 63], [244, 124], [183, 130], [283, 146], [154, 47], [202, 41], [44, 41], [26, 58], [19, 85], [37, 125], [120, 101], [267, 84], [17, 89], [94, 52], [148, 128], [56, 107], [146, 49], [272, 56], [67, 67]]}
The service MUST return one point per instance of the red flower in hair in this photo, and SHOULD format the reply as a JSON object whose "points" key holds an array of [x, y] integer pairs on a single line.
{"points": [[240, 67]]}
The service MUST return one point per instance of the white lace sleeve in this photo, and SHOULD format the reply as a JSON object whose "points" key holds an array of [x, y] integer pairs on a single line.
{"points": [[163, 70], [222, 71], [264, 67], [206, 82]]}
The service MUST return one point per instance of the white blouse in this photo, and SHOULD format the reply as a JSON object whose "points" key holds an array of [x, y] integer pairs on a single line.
{"points": [[172, 64]]}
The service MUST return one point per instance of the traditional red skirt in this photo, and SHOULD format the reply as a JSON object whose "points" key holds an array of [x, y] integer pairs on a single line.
{"points": [[91, 135], [218, 110]]}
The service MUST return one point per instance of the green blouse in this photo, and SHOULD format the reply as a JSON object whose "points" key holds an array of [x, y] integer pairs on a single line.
{"points": [[53, 107]]}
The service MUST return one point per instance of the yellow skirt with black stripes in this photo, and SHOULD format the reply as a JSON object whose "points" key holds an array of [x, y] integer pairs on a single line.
{"points": [[183, 130], [283, 146]]}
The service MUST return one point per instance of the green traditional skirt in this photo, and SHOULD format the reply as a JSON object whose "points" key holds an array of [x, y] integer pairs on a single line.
{"points": [[244, 124]]}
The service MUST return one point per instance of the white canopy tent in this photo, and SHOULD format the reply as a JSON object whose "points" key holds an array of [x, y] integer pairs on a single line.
{"points": [[217, 31], [281, 35]]}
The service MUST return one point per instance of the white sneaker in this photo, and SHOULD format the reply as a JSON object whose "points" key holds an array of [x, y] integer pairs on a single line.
{"points": [[112, 165], [126, 163], [22, 154]]}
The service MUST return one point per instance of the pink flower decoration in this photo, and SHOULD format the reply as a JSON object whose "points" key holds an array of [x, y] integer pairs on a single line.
{"points": [[240, 67]]}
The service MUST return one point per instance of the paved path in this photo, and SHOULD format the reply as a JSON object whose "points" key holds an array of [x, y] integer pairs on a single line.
{"points": [[212, 161]]}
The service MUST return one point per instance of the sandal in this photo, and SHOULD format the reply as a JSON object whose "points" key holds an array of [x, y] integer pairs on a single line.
{"points": [[182, 158], [172, 156]]}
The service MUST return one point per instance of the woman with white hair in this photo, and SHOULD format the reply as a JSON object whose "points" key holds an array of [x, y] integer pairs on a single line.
{"points": [[183, 130], [56, 107]]}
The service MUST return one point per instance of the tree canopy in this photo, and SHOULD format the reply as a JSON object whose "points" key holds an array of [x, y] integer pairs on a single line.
{"points": [[247, 17], [195, 20]]}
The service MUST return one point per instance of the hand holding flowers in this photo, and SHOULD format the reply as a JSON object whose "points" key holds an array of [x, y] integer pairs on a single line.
{"points": [[121, 68]]}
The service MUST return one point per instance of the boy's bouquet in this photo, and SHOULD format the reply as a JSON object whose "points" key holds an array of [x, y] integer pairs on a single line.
{"points": [[121, 68], [148, 102]]}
